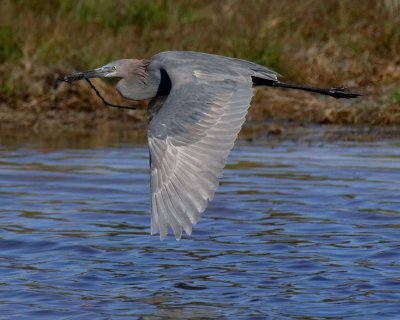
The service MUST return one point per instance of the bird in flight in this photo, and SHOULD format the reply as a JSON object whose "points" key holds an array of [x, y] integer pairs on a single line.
{"points": [[198, 104]]}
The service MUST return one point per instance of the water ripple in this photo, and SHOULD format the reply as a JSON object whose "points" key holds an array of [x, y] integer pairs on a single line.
{"points": [[295, 231]]}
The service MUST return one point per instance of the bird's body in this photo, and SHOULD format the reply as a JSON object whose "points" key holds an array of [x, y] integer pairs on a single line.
{"points": [[188, 66], [198, 104], [191, 135]]}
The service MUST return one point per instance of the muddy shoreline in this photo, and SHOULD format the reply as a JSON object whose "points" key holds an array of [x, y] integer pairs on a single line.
{"points": [[329, 44], [252, 132], [45, 109]]}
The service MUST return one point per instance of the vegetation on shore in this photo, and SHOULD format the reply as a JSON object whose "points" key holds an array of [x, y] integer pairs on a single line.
{"points": [[327, 43]]}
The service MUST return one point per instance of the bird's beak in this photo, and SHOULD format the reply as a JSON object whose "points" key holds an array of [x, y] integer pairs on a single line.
{"points": [[95, 73]]}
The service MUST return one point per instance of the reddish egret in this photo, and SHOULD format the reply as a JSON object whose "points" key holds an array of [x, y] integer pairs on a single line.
{"points": [[198, 104]]}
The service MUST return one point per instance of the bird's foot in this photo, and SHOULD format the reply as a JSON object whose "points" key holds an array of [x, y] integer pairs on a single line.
{"points": [[343, 93]]}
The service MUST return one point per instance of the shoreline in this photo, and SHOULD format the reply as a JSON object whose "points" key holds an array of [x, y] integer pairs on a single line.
{"points": [[41, 106], [251, 134], [356, 47]]}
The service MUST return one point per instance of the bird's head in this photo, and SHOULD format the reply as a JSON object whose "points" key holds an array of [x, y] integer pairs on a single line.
{"points": [[133, 83], [115, 69], [123, 68]]}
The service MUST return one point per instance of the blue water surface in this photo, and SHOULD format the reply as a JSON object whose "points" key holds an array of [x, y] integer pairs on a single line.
{"points": [[296, 231]]}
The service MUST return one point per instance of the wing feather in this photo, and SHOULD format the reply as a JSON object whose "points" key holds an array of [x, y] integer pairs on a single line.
{"points": [[190, 138]]}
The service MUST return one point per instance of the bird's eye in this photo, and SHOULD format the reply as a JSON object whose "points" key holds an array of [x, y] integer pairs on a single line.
{"points": [[114, 68]]}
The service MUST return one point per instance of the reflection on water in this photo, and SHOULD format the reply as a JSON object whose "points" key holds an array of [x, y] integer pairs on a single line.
{"points": [[295, 231]]}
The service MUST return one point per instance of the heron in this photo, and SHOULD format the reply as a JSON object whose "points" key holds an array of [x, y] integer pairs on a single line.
{"points": [[197, 105]]}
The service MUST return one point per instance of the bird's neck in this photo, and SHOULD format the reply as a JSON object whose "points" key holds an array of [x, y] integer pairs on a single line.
{"points": [[139, 86]]}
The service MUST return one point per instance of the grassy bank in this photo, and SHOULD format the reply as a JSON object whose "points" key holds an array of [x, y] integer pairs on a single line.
{"points": [[329, 43]]}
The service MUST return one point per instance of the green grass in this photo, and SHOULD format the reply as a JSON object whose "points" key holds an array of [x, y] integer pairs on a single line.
{"points": [[306, 41], [395, 95], [7, 87], [9, 48]]}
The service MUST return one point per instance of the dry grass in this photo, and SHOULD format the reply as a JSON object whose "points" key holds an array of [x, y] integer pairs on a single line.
{"points": [[329, 43]]}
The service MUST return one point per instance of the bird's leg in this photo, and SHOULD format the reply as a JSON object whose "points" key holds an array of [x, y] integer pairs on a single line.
{"points": [[336, 92]]}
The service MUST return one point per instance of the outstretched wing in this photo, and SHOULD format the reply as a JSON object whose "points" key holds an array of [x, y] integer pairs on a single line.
{"points": [[190, 138]]}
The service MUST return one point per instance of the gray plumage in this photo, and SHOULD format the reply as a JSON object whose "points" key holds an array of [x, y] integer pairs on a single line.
{"points": [[191, 135], [199, 103]]}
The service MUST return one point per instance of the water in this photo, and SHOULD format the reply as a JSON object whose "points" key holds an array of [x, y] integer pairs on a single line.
{"points": [[296, 231]]}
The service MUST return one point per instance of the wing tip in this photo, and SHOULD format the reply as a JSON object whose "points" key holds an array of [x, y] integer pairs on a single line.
{"points": [[163, 232]]}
